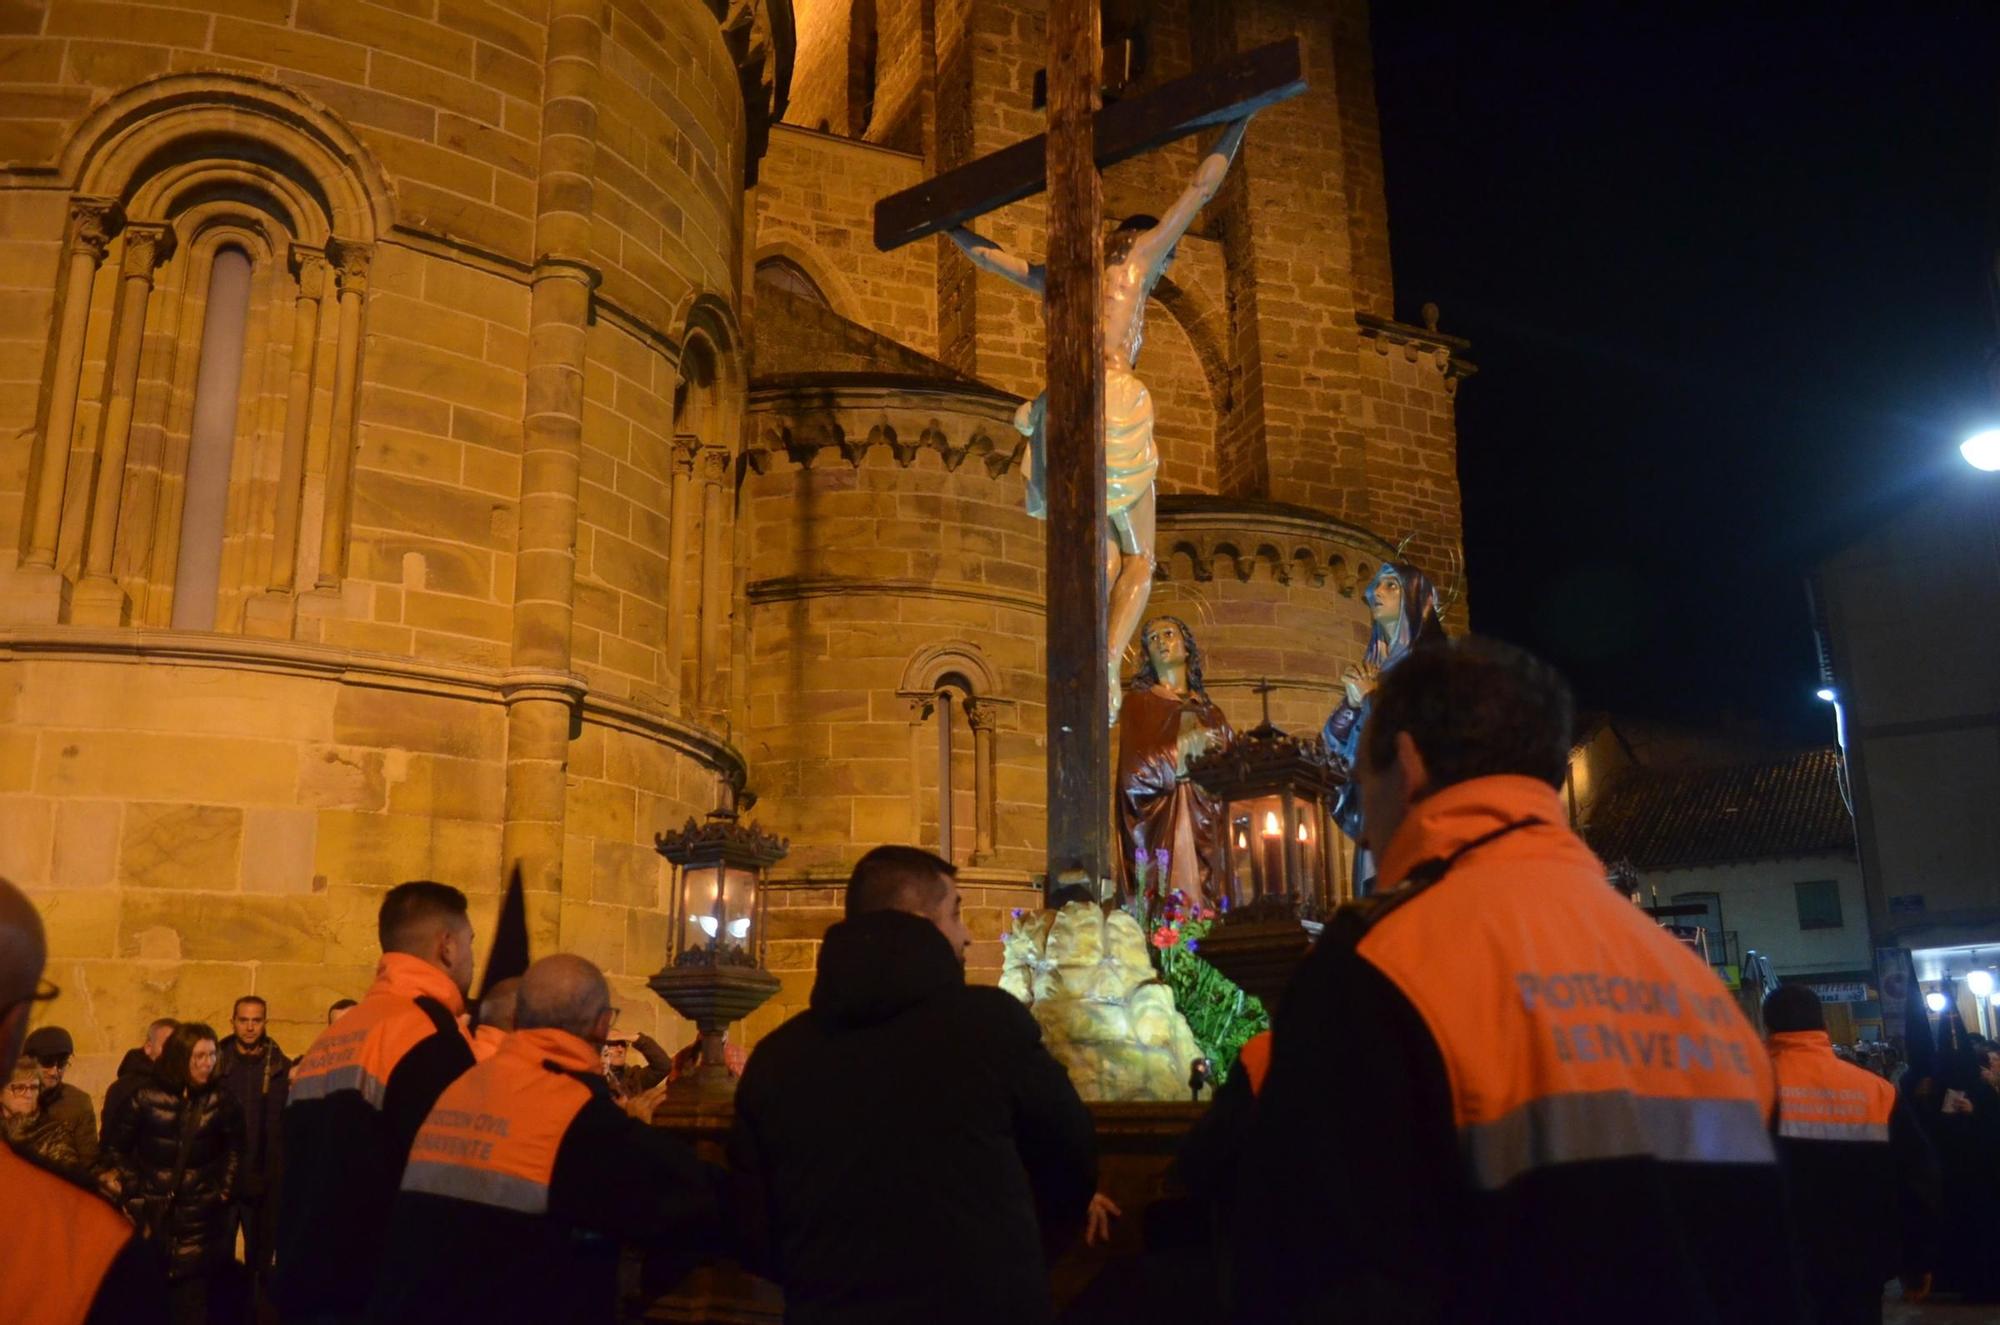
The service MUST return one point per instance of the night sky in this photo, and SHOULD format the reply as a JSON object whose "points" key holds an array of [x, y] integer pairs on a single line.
{"points": [[1725, 280]]}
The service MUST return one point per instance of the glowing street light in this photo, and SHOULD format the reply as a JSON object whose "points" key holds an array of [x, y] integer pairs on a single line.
{"points": [[1980, 983], [1982, 450], [1935, 1001], [1825, 694]]}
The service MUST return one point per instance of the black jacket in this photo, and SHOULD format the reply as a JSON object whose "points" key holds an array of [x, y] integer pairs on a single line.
{"points": [[1865, 1212], [615, 1181], [176, 1153], [901, 1148], [257, 1082], [134, 1069], [357, 1098]]}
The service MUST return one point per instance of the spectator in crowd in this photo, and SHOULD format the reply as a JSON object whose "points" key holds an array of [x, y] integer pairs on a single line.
{"points": [[256, 1073], [177, 1147], [51, 1047], [496, 1017], [1498, 1091], [338, 1006], [135, 1067], [627, 1077], [902, 1148], [1862, 1178], [528, 1171], [66, 1255], [30, 1128], [357, 1099], [1961, 1114]]}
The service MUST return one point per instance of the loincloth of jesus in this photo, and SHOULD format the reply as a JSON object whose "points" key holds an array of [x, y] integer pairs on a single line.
{"points": [[1130, 458]]}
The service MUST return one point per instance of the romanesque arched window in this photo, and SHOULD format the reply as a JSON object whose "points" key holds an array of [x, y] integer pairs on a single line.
{"points": [[954, 751], [787, 275], [192, 458]]}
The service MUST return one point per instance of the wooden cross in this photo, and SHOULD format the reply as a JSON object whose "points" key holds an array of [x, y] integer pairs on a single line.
{"points": [[1081, 140]]}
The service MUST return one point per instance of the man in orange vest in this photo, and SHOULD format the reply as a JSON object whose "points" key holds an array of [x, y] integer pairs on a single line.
{"points": [[357, 1099], [1498, 1091], [1864, 1181], [67, 1258], [526, 1179]]}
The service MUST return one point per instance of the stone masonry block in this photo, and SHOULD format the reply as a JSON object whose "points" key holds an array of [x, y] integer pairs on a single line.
{"points": [[168, 845]]}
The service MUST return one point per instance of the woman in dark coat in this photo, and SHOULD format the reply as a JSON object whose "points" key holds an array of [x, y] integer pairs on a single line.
{"points": [[174, 1147]]}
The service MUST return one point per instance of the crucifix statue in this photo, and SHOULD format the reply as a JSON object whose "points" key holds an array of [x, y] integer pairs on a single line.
{"points": [[1135, 257], [1090, 369]]}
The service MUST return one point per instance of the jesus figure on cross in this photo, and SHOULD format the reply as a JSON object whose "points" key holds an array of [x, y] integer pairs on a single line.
{"points": [[1135, 257]]}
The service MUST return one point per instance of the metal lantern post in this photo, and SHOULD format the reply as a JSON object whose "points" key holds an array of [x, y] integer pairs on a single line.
{"points": [[715, 973]]}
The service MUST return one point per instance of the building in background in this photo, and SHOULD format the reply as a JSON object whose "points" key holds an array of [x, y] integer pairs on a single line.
{"points": [[1750, 845], [435, 437], [1908, 620]]}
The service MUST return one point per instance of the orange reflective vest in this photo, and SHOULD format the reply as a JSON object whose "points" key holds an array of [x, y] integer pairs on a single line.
{"points": [[59, 1243], [359, 1051], [493, 1135], [1821, 1098], [1255, 1056], [486, 1041], [1570, 1027]]}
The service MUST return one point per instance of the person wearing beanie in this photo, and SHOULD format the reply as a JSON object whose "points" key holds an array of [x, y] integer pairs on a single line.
{"points": [[1862, 1178], [51, 1047]]}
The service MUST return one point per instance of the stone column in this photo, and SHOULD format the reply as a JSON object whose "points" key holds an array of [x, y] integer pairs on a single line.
{"points": [[310, 269], [542, 695], [714, 577], [984, 720], [350, 266], [922, 709], [681, 519], [92, 223], [98, 599]]}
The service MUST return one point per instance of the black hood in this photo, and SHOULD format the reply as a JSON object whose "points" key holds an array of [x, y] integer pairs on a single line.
{"points": [[875, 966], [134, 1063]]}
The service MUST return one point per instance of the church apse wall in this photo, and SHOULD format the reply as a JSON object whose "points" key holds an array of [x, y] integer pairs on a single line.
{"points": [[270, 646]]}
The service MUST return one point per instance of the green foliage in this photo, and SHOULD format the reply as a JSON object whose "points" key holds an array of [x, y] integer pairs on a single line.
{"points": [[1219, 1013]]}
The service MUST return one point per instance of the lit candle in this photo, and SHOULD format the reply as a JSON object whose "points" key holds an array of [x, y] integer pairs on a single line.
{"points": [[1274, 848]]}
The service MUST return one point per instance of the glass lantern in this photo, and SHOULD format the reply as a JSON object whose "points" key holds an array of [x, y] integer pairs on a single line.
{"points": [[719, 865], [1277, 794]]}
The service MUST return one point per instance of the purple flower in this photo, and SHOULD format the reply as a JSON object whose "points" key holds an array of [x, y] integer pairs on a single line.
{"points": [[1223, 904], [1161, 858]]}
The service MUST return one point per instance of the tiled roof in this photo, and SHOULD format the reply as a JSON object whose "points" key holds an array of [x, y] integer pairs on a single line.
{"points": [[1675, 818]]}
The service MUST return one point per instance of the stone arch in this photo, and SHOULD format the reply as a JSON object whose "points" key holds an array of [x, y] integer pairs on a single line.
{"points": [[291, 147], [1189, 461], [930, 665], [840, 296]]}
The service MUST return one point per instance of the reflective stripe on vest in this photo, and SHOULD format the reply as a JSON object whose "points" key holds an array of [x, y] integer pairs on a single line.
{"points": [[359, 1051], [493, 1136], [1821, 1098], [1255, 1056], [1571, 1028], [59, 1243]]}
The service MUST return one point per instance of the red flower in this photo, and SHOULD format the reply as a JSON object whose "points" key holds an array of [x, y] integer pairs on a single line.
{"points": [[1166, 936]]}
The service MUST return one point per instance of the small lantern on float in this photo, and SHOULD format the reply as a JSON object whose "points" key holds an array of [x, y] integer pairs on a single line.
{"points": [[1278, 861], [715, 974]]}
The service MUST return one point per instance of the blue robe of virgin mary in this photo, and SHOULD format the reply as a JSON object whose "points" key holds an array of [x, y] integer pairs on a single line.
{"points": [[1419, 622]]}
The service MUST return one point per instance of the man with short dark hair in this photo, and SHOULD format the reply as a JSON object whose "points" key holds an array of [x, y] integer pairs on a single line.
{"points": [[358, 1097], [256, 1073], [338, 1006], [66, 1255], [1498, 1091], [526, 1180], [68, 1106], [1863, 1179], [903, 1147]]}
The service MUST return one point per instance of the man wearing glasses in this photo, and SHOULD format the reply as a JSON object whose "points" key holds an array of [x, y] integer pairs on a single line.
{"points": [[67, 1255], [51, 1047]]}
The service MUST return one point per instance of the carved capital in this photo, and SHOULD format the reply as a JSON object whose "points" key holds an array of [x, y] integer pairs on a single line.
{"points": [[309, 265], [714, 464], [922, 708], [350, 264], [681, 453], [146, 247], [981, 716], [92, 223]]}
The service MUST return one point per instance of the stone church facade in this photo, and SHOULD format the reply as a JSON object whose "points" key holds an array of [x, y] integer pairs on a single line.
{"points": [[436, 434]]}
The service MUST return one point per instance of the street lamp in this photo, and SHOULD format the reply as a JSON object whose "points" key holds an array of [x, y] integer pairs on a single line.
{"points": [[1936, 1001], [1980, 982], [715, 975], [1982, 450], [1825, 694]]}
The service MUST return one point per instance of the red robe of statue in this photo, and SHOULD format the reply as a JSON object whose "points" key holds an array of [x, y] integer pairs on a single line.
{"points": [[1159, 808]]}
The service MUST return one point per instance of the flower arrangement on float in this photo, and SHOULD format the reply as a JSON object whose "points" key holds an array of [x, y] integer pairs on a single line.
{"points": [[1219, 1013]]}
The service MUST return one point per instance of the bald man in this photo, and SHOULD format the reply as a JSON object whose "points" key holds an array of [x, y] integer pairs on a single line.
{"points": [[496, 1017], [66, 1255], [526, 1179]]}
